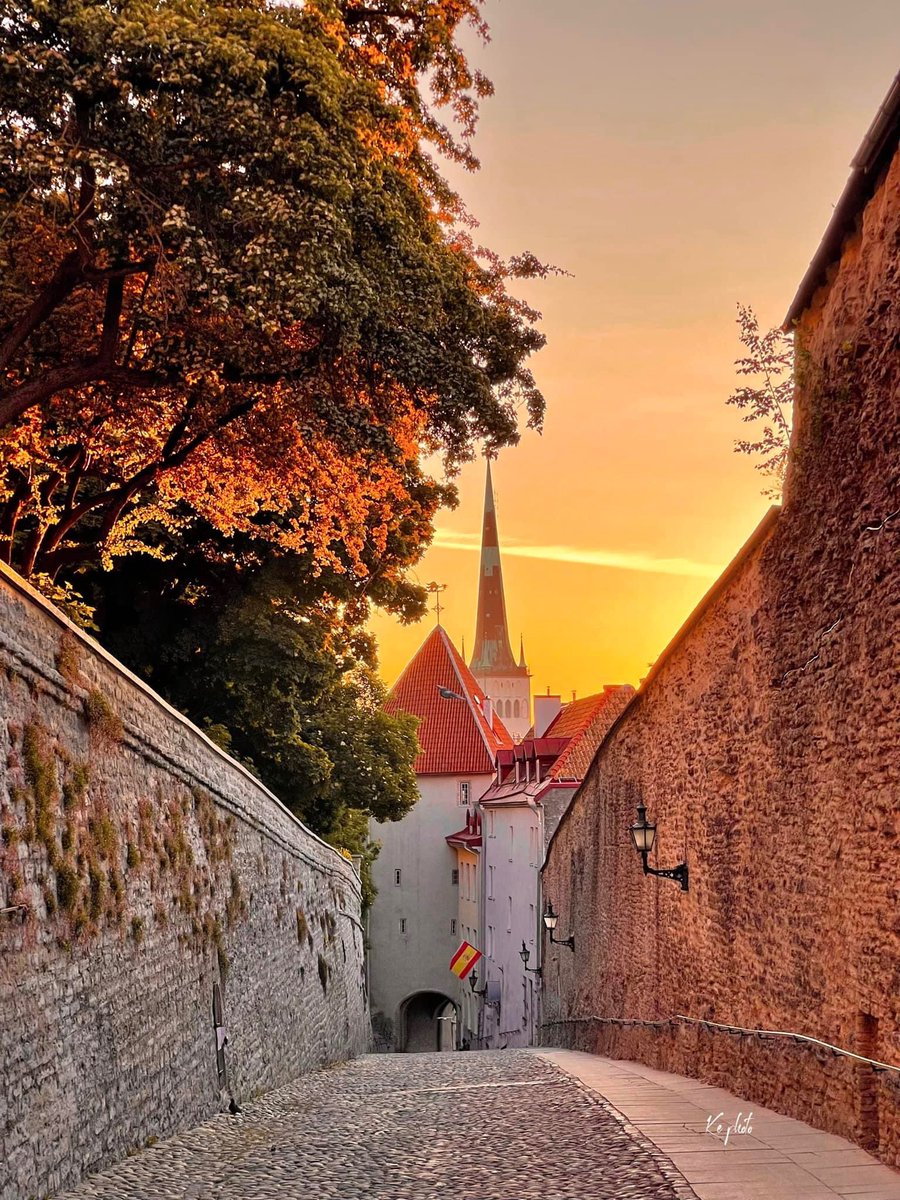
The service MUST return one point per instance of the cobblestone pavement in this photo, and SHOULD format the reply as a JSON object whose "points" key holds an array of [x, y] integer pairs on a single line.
{"points": [[502, 1125]]}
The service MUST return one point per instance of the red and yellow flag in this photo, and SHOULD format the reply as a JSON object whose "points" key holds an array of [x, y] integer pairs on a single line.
{"points": [[464, 960]]}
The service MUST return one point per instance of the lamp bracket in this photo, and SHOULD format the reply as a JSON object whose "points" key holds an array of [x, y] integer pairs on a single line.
{"points": [[569, 941], [679, 873]]}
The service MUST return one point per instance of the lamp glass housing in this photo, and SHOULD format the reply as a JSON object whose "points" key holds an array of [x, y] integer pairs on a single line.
{"points": [[550, 918], [643, 832]]}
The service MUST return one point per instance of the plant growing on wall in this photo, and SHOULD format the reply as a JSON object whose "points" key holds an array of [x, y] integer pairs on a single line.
{"points": [[768, 397]]}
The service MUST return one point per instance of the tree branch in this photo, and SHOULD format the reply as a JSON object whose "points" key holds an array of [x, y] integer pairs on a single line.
{"points": [[65, 279], [112, 315], [17, 401]]}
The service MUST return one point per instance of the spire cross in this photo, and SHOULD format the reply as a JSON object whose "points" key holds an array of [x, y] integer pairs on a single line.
{"points": [[435, 589]]}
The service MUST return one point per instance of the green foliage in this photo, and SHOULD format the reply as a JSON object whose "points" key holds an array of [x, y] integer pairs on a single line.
{"points": [[68, 886], [102, 718], [283, 665], [41, 775], [351, 832], [225, 246], [76, 785]]}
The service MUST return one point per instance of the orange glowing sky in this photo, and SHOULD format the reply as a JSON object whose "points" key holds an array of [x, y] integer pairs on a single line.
{"points": [[676, 158]]}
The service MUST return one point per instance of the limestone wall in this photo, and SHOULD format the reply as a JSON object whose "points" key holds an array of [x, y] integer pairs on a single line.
{"points": [[766, 742], [149, 868]]}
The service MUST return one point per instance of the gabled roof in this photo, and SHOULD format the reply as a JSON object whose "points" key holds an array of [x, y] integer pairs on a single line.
{"points": [[566, 749], [583, 722], [454, 734], [878, 148]]}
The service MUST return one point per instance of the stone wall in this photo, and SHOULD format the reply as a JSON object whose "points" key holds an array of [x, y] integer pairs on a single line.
{"points": [[139, 868], [766, 742]]}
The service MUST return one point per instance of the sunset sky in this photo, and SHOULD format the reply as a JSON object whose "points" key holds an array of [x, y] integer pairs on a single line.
{"points": [[676, 158]]}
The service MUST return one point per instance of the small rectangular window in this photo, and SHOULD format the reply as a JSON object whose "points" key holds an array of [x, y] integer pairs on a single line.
{"points": [[490, 824], [490, 883], [452, 925], [465, 792], [509, 915], [398, 875], [454, 877], [490, 941], [403, 924]]}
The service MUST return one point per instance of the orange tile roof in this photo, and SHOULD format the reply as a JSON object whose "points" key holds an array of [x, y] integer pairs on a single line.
{"points": [[584, 722], [455, 736]]}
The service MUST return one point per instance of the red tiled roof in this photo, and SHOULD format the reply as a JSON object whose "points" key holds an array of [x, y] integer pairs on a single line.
{"points": [[468, 838], [454, 734], [584, 722], [573, 737]]}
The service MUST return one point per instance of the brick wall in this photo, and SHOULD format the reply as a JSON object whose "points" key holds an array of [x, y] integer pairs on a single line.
{"points": [[766, 742], [149, 867]]}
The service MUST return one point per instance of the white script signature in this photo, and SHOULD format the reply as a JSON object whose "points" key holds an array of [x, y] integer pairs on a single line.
{"points": [[719, 1128]]}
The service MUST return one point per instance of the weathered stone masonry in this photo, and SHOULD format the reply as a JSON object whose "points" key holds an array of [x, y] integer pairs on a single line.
{"points": [[150, 867], [766, 742]]}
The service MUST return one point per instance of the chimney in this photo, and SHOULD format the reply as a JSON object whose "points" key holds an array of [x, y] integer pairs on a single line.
{"points": [[488, 709], [545, 709]]}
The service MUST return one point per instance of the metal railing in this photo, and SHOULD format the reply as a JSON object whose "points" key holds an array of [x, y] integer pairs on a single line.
{"points": [[734, 1030]]}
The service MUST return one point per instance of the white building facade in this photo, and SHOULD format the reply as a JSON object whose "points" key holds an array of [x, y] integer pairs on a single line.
{"points": [[534, 784], [414, 923]]}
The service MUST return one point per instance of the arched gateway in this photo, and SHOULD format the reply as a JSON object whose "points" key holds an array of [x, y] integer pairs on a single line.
{"points": [[426, 1021]]}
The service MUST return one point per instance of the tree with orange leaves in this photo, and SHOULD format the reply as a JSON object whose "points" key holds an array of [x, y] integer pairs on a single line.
{"points": [[239, 303], [235, 288]]}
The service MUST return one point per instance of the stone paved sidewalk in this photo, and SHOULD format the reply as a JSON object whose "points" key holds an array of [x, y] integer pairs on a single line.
{"points": [[781, 1159], [503, 1125]]}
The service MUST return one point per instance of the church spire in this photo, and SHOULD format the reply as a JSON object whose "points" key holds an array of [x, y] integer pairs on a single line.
{"points": [[492, 653]]}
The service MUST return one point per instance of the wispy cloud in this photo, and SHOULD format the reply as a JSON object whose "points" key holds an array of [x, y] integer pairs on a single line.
{"points": [[618, 560]]}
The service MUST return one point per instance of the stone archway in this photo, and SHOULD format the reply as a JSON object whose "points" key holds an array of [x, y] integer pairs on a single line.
{"points": [[427, 1023]]}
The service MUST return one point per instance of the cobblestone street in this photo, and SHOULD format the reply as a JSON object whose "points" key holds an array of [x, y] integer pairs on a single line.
{"points": [[503, 1125]]}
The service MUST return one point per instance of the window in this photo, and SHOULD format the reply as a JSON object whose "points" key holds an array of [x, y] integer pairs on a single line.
{"points": [[452, 926], [509, 914], [490, 941], [490, 824], [465, 792], [531, 925], [403, 924], [490, 883], [512, 841], [454, 877], [398, 875], [515, 708]]}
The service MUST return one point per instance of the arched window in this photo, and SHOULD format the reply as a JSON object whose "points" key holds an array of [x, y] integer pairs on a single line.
{"points": [[515, 708]]}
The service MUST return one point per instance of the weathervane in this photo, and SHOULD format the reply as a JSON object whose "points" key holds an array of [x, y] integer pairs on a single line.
{"points": [[435, 589]]}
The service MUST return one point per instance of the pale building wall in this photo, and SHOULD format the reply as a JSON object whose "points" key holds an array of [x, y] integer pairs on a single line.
{"points": [[416, 958], [468, 929], [510, 881], [507, 691]]}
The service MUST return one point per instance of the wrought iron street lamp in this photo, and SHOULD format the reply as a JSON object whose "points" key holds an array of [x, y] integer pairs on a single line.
{"points": [[643, 835], [473, 981], [525, 954], [551, 920]]}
